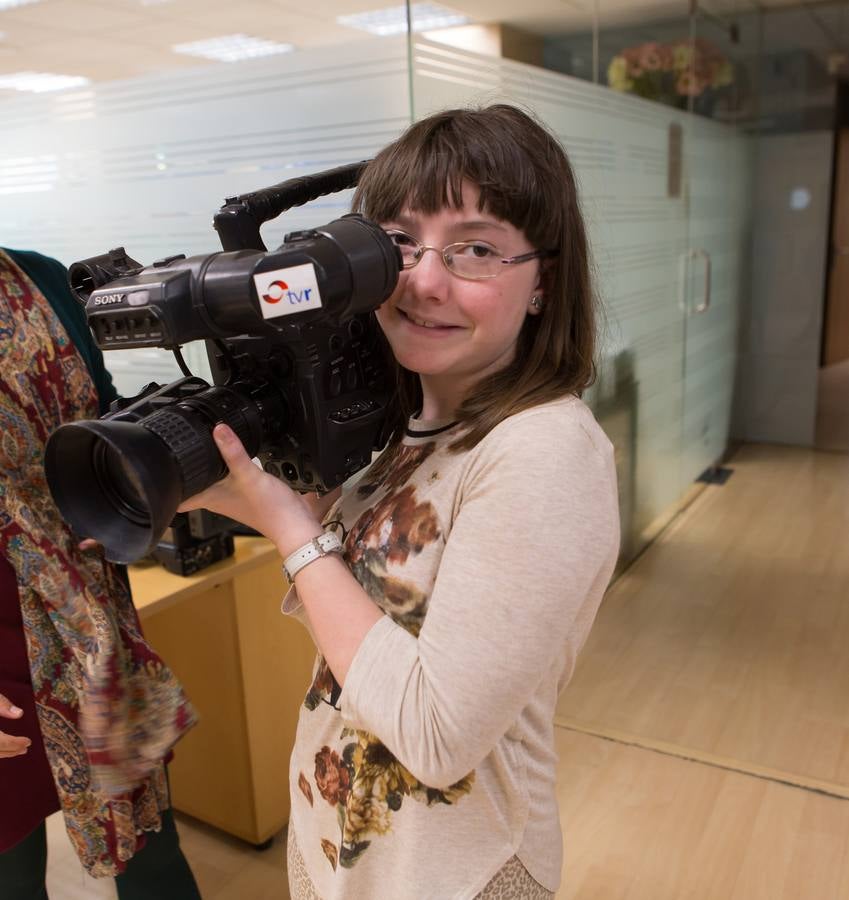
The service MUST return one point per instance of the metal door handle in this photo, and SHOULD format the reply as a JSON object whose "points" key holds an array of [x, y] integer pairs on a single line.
{"points": [[704, 306]]}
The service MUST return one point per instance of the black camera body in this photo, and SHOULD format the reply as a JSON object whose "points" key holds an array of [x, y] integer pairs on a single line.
{"points": [[194, 541], [298, 365]]}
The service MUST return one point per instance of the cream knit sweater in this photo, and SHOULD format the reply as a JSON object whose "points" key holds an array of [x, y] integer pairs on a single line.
{"points": [[436, 764]]}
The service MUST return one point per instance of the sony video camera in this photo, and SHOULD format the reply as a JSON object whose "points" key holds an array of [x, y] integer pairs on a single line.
{"points": [[298, 366]]}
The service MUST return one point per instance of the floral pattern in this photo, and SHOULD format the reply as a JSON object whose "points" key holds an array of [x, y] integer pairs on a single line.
{"points": [[670, 72], [363, 780], [366, 784]]}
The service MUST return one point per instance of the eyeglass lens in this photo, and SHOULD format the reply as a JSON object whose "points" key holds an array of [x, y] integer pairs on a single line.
{"points": [[470, 259]]}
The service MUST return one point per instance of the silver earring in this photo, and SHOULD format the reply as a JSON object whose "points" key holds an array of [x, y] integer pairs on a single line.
{"points": [[536, 301]]}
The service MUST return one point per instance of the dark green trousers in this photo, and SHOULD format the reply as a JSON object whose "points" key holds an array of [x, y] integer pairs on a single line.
{"points": [[157, 872]]}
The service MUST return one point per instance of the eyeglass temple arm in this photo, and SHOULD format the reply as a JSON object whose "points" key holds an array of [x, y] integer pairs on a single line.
{"points": [[524, 257]]}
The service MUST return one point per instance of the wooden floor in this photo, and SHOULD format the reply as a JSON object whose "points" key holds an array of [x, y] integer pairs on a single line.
{"points": [[704, 740], [641, 825], [727, 641]]}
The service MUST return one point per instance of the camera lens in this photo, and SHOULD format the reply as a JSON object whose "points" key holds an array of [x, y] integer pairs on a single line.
{"points": [[120, 481], [120, 484]]}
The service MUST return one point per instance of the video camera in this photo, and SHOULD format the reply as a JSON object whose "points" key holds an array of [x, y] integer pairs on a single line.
{"points": [[298, 365]]}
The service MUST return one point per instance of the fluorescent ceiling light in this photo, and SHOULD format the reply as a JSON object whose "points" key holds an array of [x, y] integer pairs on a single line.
{"points": [[393, 19], [232, 47], [38, 82], [11, 4]]}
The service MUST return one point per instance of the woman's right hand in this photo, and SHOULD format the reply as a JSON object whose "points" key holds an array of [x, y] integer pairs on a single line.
{"points": [[10, 744]]}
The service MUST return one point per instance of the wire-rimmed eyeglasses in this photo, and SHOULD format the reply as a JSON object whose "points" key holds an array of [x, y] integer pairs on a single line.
{"points": [[465, 259]]}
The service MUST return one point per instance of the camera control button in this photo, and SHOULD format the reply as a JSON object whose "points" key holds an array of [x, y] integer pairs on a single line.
{"points": [[335, 384], [303, 235], [167, 260]]}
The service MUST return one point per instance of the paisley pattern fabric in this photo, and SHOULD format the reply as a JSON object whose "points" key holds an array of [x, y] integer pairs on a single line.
{"points": [[108, 709]]}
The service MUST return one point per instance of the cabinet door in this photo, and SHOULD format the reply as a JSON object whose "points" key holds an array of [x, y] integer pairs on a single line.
{"points": [[277, 656], [246, 669], [210, 774]]}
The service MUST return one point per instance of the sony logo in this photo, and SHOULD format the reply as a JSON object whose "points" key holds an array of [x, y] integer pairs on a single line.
{"points": [[106, 299]]}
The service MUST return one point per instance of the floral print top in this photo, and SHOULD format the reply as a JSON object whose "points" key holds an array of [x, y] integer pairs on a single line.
{"points": [[435, 764]]}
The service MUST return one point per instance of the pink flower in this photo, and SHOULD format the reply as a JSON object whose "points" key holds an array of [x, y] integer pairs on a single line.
{"points": [[650, 56]]}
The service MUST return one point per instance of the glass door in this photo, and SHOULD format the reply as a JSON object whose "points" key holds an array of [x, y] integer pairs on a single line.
{"points": [[644, 108], [722, 53]]}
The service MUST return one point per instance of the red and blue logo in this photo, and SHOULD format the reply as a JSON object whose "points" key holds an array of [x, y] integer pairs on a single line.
{"points": [[276, 292]]}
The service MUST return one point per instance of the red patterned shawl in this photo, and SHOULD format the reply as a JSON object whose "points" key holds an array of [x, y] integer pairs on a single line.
{"points": [[109, 710]]}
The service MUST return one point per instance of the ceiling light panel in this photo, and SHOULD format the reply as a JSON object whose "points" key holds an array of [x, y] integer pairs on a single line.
{"points": [[393, 19], [232, 48], [11, 4], [39, 82]]}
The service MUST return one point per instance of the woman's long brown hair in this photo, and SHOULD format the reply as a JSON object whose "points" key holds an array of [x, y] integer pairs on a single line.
{"points": [[524, 178]]}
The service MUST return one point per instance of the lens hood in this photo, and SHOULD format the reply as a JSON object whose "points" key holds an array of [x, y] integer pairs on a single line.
{"points": [[113, 481]]}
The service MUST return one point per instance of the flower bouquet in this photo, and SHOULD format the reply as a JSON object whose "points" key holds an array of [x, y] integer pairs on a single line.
{"points": [[671, 73]]}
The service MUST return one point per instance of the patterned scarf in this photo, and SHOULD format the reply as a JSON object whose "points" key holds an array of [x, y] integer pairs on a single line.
{"points": [[109, 710]]}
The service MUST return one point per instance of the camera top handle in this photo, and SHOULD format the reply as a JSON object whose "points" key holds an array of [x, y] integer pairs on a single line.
{"points": [[239, 219]]}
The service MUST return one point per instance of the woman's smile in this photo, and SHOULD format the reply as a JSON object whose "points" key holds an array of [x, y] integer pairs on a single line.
{"points": [[429, 325]]}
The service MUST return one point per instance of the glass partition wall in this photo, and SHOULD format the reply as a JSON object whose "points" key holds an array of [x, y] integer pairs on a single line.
{"points": [[146, 162], [651, 102]]}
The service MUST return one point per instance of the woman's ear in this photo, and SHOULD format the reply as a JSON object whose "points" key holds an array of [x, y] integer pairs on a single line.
{"points": [[537, 302]]}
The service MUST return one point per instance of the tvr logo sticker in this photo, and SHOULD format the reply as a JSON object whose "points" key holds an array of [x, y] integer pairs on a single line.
{"points": [[286, 291], [279, 290]]}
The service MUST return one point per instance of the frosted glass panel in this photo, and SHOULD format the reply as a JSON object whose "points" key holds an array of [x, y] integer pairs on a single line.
{"points": [[639, 224], [720, 174], [146, 163]]}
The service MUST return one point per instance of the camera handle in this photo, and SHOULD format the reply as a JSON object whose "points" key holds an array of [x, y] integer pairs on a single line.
{"points": [[239, 219]]}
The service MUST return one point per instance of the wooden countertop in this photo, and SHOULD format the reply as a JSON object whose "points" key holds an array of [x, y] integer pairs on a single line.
{"points": [[155, 588]]}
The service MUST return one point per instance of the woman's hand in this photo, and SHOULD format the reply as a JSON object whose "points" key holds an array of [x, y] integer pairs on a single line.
{"points": [[256, 498], [10, 744]]}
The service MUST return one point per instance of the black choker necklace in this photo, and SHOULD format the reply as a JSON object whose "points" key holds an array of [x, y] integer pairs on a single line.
{"points": [[431, 432]]}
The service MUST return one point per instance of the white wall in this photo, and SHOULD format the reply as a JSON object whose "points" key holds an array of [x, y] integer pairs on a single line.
{"points": [[781, 342]]}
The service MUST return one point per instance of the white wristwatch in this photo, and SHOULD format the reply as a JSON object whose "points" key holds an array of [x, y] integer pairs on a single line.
{"points": [[315, 549]]}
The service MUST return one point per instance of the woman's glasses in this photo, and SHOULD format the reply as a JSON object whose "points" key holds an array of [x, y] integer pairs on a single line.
{"points": [[465, 259]]}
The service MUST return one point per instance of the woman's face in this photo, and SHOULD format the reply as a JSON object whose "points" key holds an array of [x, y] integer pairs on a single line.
{"points": [[450, 330]]}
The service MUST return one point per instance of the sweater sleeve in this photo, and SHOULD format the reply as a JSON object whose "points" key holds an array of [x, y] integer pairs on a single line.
{"points": [[529, 554]]}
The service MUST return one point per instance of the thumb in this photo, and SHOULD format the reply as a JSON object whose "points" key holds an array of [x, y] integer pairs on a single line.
{"points": [[230, 447], [8, 710]]}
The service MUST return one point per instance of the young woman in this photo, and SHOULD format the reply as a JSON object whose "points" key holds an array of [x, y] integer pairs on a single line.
{"points": [[476, 548]]}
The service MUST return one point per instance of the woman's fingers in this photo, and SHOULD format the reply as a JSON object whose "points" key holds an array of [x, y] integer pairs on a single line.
{"points": [[236, 458], [231, 448], [8, 709], [10, 744], [250, 495], [13, 745]]}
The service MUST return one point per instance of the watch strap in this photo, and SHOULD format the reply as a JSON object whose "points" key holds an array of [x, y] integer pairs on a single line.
{"points": [[310, 552]]}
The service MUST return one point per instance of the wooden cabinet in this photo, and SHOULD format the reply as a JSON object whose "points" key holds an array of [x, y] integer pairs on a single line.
{"points": [[246, 668]]}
